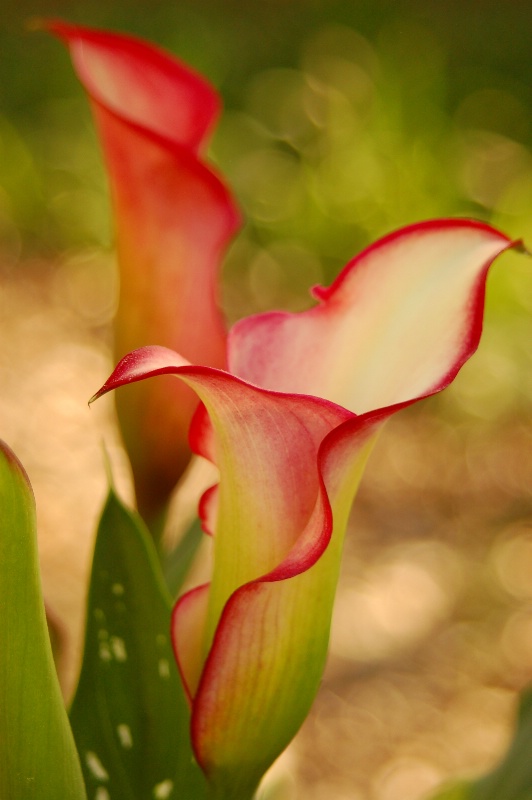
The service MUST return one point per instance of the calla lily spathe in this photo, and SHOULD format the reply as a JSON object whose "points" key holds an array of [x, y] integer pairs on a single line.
{"points": [[290, 427], [173, 218]]}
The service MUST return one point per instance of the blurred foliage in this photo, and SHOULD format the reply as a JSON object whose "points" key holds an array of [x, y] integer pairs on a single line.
{"points": [[343, 120]]}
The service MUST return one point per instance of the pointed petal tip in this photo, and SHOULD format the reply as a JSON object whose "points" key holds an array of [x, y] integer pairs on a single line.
{"points": [[520, 247], [145, 362], [96, 396]]}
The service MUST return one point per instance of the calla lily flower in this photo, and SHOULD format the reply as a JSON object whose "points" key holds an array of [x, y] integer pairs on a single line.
{"points": [[290, 426], [173, 219]]}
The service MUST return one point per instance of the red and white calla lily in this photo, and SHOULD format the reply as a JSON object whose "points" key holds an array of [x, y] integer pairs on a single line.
{"points": [[291, 404], [291, 427], [173, 219]]}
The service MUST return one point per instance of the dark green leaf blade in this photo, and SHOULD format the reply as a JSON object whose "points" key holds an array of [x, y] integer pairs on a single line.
{"points": [[38, 758], [129, 715]]}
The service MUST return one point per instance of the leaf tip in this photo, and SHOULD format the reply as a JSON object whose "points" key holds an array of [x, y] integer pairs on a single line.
{"points": [[13, 462]]}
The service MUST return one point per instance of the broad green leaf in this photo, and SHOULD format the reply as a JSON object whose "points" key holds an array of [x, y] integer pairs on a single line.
{"points": [[38, 758], [512, 779], [129, 716]]}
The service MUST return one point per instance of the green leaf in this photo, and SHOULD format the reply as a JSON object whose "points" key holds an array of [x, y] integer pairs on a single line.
{"points": [[38, 758], [178, 562], [129, 715], [512, 779]]}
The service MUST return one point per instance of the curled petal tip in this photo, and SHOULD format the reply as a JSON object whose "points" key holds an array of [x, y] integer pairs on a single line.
{"points": [[173, 217]]}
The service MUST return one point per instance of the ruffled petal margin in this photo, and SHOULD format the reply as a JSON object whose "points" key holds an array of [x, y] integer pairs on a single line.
{"points": [[397, 323]]}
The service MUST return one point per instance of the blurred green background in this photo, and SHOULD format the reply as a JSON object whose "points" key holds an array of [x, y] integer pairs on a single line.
{"points": [[342, 119], [341, 122]]}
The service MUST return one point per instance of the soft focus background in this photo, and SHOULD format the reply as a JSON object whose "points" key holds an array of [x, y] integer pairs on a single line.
{"points": [[342, 121]]}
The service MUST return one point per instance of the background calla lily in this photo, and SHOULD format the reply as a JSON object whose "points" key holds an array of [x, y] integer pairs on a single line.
{"points": [[291, 433], [173, 218]]}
